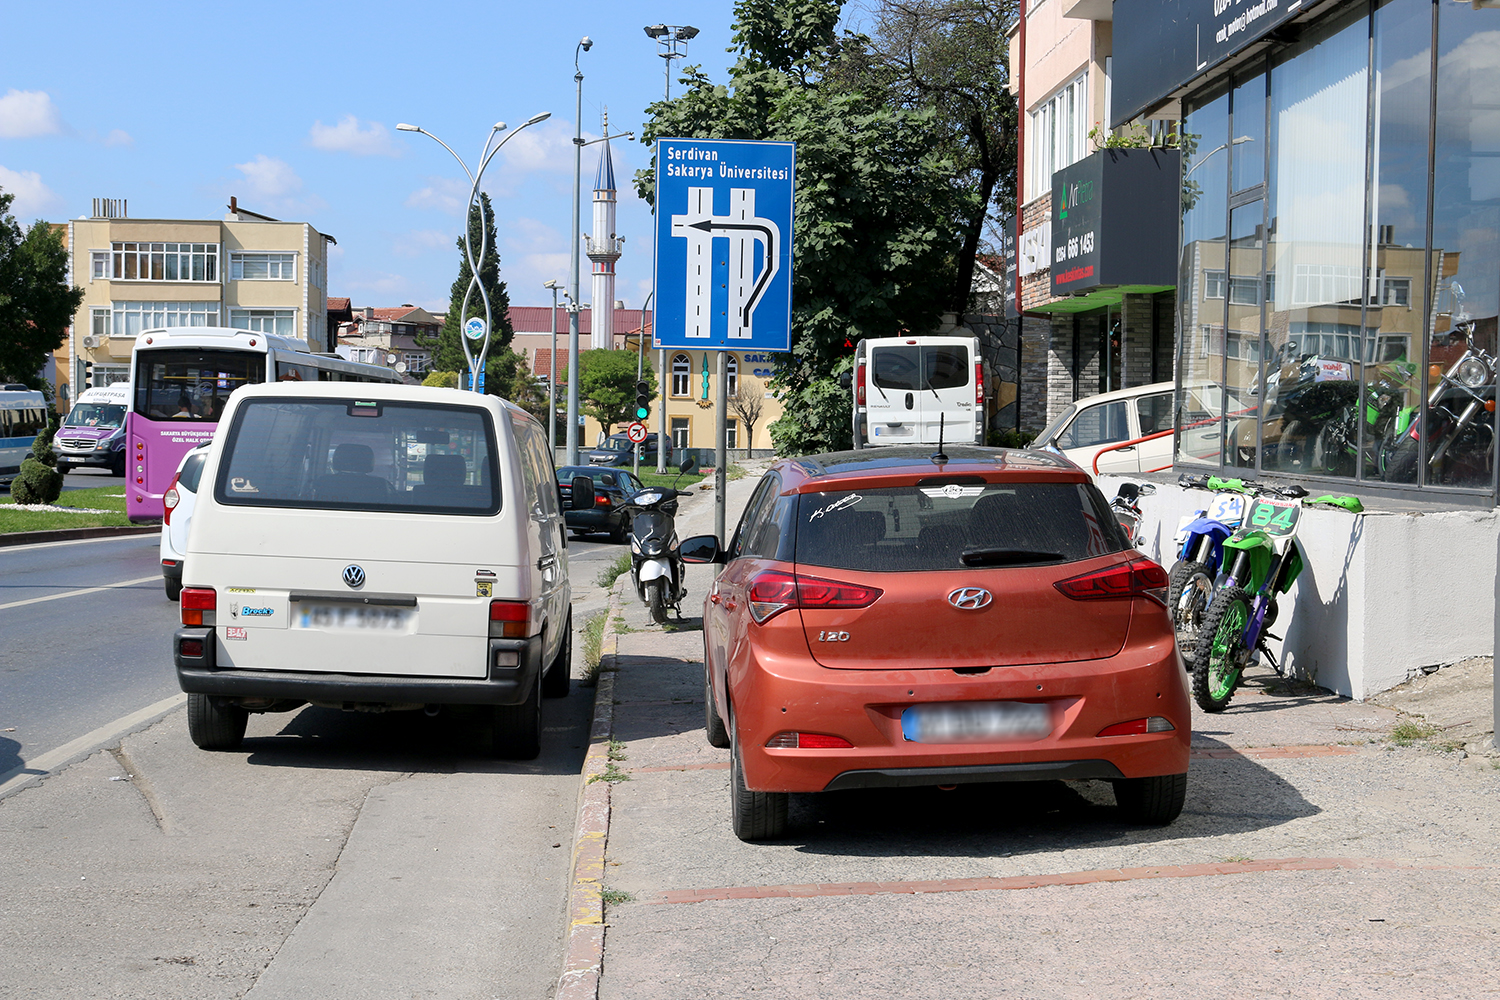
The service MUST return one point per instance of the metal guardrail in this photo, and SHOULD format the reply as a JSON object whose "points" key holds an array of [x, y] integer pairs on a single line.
{"points": [[1131, 444]]}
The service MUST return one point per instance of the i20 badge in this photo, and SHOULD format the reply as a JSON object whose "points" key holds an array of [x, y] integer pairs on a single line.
{"points": [[970, 598], [833, 636]]}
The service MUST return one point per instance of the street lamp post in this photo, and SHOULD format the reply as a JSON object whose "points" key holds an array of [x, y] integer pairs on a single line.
{"points": [[671, 43], [554, 285], [584, 44], [475, 176]]}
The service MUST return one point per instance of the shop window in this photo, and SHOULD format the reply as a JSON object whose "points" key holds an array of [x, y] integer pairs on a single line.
{"points": [[679, 432]]}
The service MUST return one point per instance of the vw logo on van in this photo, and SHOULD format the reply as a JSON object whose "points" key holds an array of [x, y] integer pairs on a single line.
{"points": [[970, 598], [354, 576]]}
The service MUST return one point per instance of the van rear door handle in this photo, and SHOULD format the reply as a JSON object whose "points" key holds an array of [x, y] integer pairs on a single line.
{"points": [[546, 561]]}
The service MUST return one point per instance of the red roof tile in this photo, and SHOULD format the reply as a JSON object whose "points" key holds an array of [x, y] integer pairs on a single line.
{"points": [[535, 319]]}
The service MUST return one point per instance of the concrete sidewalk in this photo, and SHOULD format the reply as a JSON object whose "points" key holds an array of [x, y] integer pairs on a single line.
{"points": [[1316, 857]]}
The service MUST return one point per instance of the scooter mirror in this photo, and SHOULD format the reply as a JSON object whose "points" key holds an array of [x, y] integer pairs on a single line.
{"points": [[688, 465], [583, 493]]}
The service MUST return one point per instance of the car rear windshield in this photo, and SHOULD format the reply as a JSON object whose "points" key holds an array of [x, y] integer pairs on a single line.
{"points": [[350, 454], [954, 525], [191, 471]]}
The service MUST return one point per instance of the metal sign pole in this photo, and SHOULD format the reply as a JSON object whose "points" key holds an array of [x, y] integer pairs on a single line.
{"points": [[721, 449]]}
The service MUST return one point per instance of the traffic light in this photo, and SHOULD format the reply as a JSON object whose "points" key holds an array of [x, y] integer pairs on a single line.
{"points": [[88, 374], [642, 400]]}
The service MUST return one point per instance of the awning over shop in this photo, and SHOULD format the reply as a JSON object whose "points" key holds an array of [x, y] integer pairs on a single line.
{"points": [[1098, 298]]}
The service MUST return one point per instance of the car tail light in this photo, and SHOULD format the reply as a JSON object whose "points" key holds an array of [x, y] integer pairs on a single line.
{"points": [[510, 620], [773, 592], [169, 501], [199, 605], [807, 741], [1155, 724], [601, 500], [979, 383], [1137, 578], [859, 384], [192, 648]]}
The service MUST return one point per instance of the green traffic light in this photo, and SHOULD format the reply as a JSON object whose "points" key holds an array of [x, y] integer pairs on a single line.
{"points": [[642, 412]]}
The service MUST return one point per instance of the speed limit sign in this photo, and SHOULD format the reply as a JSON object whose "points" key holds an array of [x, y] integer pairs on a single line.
{"points": [[636, 432]]}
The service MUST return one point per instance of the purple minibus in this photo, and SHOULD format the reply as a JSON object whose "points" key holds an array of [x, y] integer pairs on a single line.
{"points": [[180, 379]]}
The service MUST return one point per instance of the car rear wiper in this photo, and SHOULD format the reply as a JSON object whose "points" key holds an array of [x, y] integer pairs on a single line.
{"points": [[1006, 557]]}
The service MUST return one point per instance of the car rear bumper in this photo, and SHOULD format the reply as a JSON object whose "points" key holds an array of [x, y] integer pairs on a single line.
{"points": [[593, 520], [864, 707], [504, 686]]}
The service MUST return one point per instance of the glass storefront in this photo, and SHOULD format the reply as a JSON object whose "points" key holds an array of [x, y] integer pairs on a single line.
{"points": [[1340, 258]]}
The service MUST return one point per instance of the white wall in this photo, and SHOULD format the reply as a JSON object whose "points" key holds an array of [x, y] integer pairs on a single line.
{"points": [[1382, 593]]}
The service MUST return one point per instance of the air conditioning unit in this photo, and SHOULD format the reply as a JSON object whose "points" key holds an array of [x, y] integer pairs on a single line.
{"points": [[91, 342]]}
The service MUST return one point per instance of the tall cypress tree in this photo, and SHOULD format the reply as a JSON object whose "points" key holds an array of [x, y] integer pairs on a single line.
{"points": [[447, 350]]}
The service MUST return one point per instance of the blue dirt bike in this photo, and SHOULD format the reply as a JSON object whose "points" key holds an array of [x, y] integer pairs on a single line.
{"points": [[1200, 553]]}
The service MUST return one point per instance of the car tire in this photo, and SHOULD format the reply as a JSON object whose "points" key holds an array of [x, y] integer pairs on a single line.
{"points": [[559, 676], [714, 728], [1188, 600], [215, 724], [1153, 801], [754, 815], [622, 532], [656, 600], [517, 729], [173, 589]]}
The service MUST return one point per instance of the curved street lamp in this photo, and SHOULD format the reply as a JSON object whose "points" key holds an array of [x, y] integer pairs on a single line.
{"points": [[476, 366]]}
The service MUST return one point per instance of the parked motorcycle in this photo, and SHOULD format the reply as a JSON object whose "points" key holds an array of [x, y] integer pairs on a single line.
{"points": [[1200, 551], [1460, 425], [1126, 506], [656, 566], [1263, 559]]}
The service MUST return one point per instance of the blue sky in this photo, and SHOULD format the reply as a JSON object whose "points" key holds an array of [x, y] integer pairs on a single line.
{"points": [[293, 109]]}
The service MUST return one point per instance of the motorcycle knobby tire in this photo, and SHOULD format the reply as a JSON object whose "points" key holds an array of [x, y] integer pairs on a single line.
{"points": [[1184, 572], [1219, 658]]}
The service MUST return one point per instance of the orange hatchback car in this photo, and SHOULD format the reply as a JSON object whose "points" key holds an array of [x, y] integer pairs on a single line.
{"points": [[891, 617]]}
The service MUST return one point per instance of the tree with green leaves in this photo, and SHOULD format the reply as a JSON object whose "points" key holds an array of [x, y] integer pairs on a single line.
{"points": [[606, 385], [878, 200], [447, 347], [36, 302]]}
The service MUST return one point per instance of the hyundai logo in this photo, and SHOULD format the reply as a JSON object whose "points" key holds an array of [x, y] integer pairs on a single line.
{"points": [[970, 598], [355, 577]]}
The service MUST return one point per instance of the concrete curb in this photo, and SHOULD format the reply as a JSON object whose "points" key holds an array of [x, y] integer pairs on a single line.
{"points": [[70, 534], [583, 956]]}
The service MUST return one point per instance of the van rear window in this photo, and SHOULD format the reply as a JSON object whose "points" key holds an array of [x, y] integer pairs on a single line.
{"points": [[954, 526], [334, 454], [920, 367]]}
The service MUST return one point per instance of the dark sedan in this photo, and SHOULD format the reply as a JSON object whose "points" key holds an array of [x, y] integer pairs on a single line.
{"points": [[611, 487]]}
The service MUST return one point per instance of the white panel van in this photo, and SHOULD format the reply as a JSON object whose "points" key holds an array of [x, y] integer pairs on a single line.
{"points": [[912, 390], [375, 547]]}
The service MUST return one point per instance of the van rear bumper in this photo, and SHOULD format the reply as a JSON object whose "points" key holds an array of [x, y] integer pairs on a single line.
{"points": [[507, 685]]}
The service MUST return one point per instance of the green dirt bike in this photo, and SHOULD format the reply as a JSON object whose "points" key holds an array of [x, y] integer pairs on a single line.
{"points": [[1261, 560]]}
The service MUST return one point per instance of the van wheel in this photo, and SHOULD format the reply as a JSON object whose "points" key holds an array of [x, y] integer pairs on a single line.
{"points": [[174, 589], [518, 728], [215, 724], [556, 680]]}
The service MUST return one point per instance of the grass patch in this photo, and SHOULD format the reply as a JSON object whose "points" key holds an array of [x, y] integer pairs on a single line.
{"points": [[620, 626], [593, 639], [1411, 730], [671, 479], [1235, 859], [609, 574], [616, 750], [611, 773], [734, 472], [614, 897], [109, 498]]}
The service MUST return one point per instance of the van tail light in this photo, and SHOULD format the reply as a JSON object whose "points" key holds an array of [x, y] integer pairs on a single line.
{"points": [[859, 384], [807, 741], [199, 605], [169, 501], [1155, 724], [1136, 578], [511, 620], [979, 383], [773, 592]]}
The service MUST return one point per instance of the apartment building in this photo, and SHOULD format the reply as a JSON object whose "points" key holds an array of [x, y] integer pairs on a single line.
{"points": [[245, 270]]}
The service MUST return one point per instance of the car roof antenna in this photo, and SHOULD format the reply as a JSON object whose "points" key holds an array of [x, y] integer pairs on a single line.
{"points": [[938, 456]]}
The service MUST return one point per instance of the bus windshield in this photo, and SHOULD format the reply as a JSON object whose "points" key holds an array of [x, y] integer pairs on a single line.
{"points": [[192, 383], [95, 415]]}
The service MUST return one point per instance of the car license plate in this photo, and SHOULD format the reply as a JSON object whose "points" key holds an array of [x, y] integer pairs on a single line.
{"points": [[976, 722], [355, 617]]}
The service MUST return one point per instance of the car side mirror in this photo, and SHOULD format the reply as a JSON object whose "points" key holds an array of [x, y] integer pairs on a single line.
{"points": [[583, 493], [688, 465], [701, 549]]}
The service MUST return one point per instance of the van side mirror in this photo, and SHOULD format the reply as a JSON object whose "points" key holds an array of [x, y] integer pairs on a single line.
{"points": [[701, 549], [583, 493], [846, 381]]}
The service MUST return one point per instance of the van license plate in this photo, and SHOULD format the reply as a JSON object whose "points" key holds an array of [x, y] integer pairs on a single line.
{"points": [[355, 617], [976, 722]]}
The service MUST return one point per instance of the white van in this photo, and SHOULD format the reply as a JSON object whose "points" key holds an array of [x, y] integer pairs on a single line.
{"points": [[909, 389], [376, 548]]}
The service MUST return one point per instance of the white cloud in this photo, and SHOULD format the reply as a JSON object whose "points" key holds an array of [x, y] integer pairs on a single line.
{"points": [[33, 198], [119, 137], [419, 242], [28, 113], [377, 285], [545, 147], [525, 234], [274, 184], [348, 136], [442, 193]]}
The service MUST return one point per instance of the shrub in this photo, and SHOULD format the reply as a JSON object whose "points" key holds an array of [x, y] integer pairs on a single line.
{"points": [[39, 481]]}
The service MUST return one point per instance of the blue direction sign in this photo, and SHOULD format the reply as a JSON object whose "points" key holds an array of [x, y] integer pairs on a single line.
{"points": [[724, 244]]}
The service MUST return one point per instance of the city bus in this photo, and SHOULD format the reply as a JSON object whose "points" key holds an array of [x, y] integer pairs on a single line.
{"points": [[181, 378], [23, 415]]}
